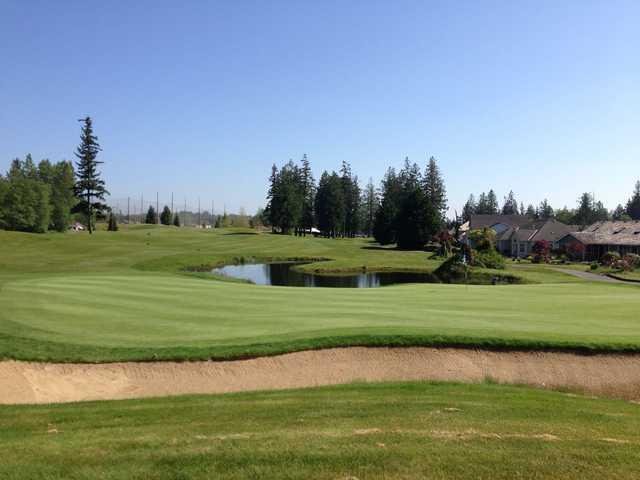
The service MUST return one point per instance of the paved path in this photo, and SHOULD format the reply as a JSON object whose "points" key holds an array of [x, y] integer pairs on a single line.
{"points": [[589, 276]]}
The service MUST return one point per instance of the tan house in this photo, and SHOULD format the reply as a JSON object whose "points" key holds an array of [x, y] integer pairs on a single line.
{"points": [[517, 234], [603, 237]]}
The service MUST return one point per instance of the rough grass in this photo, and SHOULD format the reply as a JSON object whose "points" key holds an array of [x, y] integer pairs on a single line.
{"points": [[399, 431], [125, 296]]}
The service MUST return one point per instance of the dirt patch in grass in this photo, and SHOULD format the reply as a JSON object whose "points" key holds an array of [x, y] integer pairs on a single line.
{"points": [[610, 375]]}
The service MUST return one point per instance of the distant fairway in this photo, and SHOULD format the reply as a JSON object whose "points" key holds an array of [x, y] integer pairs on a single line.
{"points": [[61, 302]]}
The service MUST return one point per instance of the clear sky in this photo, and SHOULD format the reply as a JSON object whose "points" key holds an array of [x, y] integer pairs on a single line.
{"points": [[200, 98]]}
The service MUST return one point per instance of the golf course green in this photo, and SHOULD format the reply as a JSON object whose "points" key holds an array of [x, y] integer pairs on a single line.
{"points": [[128, 296]]}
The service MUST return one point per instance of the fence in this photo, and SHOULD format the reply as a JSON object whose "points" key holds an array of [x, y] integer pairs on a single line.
{"points": [[191, 213]]}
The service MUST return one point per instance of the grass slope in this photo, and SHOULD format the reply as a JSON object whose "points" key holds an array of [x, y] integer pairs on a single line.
{"points": [[397, 431], [122, 297]]}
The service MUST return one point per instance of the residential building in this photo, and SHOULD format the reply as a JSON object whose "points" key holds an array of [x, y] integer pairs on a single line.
{"points": [[603, 237]]}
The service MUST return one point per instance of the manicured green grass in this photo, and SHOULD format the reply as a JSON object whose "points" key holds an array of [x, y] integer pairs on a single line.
{"points": [[125, 296], [122, 296], [136, 316], [399, 431], [633, 275]]}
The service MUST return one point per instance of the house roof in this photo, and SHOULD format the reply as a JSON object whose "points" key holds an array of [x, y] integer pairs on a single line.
{"points": [[486, 221], [610, 233], [553, 230]]}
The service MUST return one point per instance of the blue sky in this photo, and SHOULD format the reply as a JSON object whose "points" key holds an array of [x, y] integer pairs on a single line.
{"points": [[200, 98]]}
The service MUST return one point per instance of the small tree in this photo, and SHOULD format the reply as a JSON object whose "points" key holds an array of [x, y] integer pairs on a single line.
{"points": [[610, 258], [576, 250], [113, 223], [176, 220], [541, 250], [483, 240], [151, 216], [90, 188], [165, 216]]}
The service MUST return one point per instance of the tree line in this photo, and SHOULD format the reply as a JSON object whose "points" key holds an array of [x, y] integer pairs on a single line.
{"points": [[588, 209], [408, 209], [47, 196]]}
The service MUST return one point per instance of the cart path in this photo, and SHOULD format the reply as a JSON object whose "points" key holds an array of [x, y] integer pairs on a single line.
{"points": [[611, 375], [589, 276]]}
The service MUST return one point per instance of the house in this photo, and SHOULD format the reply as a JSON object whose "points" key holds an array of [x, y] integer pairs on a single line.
{"points": [[603, 237], [76, 227], [517, 234], [498, 223], [523, 239]]}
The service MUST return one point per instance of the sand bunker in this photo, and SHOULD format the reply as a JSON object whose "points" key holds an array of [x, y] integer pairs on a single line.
{"points": [[603, 375]]}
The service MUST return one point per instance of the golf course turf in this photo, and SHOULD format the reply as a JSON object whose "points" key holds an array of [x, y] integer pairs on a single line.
{"points": [[126, 296], [143, 294], [392, 431]]}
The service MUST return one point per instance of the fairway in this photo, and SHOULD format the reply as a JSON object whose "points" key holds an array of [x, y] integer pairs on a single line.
{"points": [[393, 431], [134, 303]]}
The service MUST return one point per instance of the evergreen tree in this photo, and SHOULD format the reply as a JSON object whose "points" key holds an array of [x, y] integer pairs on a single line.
{"points": [[308, 194], [545, 211], [620, 214], [290, 195], [492, 203], [272, 210], [4, 188], [329, 204], [351, 199], [531, 211], [384, 227], [176, 220], [565, 215], [151, 217], [469, 208], [89, 187], [434, 190], [369, 208], [589, 211], [482, 207], [522, 210], [165, 216], [112, 225], [510, 206], [633, 205]]}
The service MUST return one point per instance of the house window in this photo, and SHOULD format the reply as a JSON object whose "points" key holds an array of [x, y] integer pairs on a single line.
{"points": [[522, 248]]}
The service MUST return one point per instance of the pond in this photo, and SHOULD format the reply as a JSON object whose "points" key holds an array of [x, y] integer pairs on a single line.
{"points": [[283, 274]]}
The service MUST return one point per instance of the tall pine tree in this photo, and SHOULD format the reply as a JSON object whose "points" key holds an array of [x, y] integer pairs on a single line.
{"points": [[633, 205], [434, 190], [89, 187]]}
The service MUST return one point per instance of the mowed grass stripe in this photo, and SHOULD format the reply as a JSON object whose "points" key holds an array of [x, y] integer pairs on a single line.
{"points": [[161, 311]]}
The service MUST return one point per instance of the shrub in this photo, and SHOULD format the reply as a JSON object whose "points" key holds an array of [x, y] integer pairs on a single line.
{"points": [[483, 240], [112, 226], [489, 259], [621, 265], [594, 265], [576, 250], [633, 260], [610, 258]]}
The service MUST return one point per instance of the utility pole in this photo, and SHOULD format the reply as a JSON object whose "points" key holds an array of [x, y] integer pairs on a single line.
{"points": [[157, 209], [128, 210], [199, 219], [184, 213], [141, 207], [213, 223], [171, 203]]}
